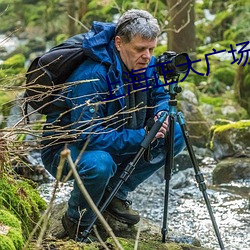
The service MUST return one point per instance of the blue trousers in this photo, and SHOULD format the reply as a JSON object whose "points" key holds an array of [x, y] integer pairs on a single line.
{"points": [[100, 170]]}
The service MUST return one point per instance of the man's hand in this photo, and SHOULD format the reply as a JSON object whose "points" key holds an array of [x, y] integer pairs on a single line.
{"points": [[164, 128]]}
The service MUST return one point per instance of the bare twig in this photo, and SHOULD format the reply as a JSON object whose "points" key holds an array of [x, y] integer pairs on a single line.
{"points": [[137, 236], [67, 155], [77, 21], [99, 238]]}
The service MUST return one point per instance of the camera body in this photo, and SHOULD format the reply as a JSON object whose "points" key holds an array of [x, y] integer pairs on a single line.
{"points": [[171, 64]]}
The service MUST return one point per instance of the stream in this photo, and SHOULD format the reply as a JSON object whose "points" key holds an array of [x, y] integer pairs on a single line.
{"points": [[187, 212]]}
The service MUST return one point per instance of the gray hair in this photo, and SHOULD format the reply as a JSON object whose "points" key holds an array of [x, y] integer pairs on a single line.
{"points": [[137, 22]]}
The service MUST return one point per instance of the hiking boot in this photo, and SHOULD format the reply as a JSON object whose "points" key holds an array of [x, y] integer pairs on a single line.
{"points": [[75, 231], [121, 211]]}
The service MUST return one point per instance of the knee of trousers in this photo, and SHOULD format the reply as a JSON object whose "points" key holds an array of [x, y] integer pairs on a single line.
{"points": [[97, 165], [179, 142]]}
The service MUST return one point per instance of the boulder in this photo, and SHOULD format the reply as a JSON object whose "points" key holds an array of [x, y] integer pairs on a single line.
{"points": [[231, 169], [150, 235], [231, 139], [197, 125]]}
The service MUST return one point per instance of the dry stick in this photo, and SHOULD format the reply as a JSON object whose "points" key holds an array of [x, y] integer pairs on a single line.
{"points": [[45, 217], [137, 236], [66, 154], [99, 238]]}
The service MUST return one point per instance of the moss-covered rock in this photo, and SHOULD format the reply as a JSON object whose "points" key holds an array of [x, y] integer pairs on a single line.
{"points": [[128, 244], [232, 139], [22, 200], [11, 237], [231, 169], [221, 107], [150, 235]]}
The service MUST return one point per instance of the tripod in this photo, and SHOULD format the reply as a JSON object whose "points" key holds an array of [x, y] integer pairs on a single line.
{"points": [[169, 163], [173, 90]]}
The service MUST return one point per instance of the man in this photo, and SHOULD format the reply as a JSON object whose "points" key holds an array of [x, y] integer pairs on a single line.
{"points": [[108, 115]]}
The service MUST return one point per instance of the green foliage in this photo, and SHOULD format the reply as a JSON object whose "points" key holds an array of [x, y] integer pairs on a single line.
{"points": [[13, 66], [16, 61], [160, 50], [229, 22], [224, 75], [214, 101]]}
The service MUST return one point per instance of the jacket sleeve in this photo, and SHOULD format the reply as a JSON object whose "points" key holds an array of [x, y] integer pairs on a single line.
{"points": [[89, 121]]}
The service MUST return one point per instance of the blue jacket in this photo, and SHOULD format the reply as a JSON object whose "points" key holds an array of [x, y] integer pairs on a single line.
{"points": [[88, 116]]}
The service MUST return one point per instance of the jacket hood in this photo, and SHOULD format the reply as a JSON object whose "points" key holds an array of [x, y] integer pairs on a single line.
{"points": [[98, 42]]}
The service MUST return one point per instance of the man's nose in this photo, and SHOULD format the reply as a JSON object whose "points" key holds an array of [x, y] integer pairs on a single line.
{"points": [[146, 54]]}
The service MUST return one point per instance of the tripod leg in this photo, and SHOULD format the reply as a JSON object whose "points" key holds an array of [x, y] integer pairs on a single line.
{"points": [[199, 176], [168, 173]]}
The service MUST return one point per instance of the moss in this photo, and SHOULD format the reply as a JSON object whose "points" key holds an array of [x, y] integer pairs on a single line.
{"points": [[13, 239], [6, 243], [212, 100], [224, 75], [22, 200], [16, 237], [9, 219], [234, 125], [128, 244]]}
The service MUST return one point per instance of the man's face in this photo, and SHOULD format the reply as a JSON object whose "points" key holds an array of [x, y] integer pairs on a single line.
{"points": [[137, 53]]}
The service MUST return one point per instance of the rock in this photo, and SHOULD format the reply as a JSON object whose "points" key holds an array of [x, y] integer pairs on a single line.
{"points": [[227, 110], [188, 95], [197, 125], [149, 238], [231, 169], [229, 140], [181, 179]]}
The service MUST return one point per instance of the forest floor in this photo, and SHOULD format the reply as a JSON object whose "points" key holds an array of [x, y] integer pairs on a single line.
{"points": [[144, 236]]}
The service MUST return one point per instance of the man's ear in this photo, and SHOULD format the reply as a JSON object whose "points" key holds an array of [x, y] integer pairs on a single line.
{"points": [[118, 42]]}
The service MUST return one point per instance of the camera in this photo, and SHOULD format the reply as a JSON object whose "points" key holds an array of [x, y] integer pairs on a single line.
{"points": [[167, 64]]}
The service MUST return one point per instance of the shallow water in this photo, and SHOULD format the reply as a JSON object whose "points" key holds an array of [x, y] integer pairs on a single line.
{"points": [[187, 212]]}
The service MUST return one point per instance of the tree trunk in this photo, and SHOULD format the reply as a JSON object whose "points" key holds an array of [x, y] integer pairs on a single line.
{"points": [[72, 13], [181, 34], [83, 7]]}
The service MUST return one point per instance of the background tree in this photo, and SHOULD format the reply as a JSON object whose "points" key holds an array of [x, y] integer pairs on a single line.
{"points": [[181, 27]]}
